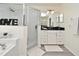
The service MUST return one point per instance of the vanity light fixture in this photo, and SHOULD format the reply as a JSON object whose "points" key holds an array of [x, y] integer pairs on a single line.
{"points": [[43, 14], [48, 13]]}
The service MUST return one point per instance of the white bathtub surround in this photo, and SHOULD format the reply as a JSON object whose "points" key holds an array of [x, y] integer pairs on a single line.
{"points": [[53, 48], [35, 51]]}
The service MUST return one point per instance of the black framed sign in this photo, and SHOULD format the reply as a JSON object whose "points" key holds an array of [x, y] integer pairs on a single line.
{"points": [[5, 21]]}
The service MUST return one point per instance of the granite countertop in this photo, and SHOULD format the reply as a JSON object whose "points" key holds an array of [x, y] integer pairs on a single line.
{"points": [[52, 28]]}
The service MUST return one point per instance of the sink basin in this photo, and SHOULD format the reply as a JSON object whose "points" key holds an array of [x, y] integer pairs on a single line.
{"points": [[44, 27]]}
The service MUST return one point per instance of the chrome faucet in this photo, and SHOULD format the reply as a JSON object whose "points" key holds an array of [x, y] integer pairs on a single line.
{"points": [[3, 46]]}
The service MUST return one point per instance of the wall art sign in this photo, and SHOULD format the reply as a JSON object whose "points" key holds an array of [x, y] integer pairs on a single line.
{"points": [[5, 21]]}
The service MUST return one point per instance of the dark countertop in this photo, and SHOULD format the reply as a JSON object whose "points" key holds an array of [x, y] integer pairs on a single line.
{"points": [[52, 28]]}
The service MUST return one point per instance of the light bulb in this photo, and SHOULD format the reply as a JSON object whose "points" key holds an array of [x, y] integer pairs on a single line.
{"points": [[52, 12]]}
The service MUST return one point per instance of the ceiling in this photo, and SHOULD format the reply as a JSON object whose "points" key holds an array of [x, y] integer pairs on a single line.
{"points": [[46, 6]]}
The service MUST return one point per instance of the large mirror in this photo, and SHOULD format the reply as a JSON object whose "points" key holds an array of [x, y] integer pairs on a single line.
{"points": [[60, 18], [51, 18]]}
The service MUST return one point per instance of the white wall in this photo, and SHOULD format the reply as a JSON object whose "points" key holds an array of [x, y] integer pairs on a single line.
{"points": [[71, 11]]}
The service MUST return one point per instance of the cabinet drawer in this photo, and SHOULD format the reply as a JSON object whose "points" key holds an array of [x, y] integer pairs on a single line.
{"points": [[59, 37], [43, 32], [43, 37]]}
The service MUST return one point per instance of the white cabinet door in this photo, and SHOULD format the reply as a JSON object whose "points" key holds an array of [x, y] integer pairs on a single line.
{"points": [[60, 37], [51, 37], [44, 37]]}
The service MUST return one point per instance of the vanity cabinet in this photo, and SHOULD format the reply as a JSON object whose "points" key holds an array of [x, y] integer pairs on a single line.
{"points": [[50, 37]]}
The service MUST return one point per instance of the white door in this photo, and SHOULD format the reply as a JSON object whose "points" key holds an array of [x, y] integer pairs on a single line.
{"points": [[51, 37], [33, 16]]}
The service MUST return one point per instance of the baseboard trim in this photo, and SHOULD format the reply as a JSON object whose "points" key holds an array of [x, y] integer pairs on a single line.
{"points": [[70, 50]]}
